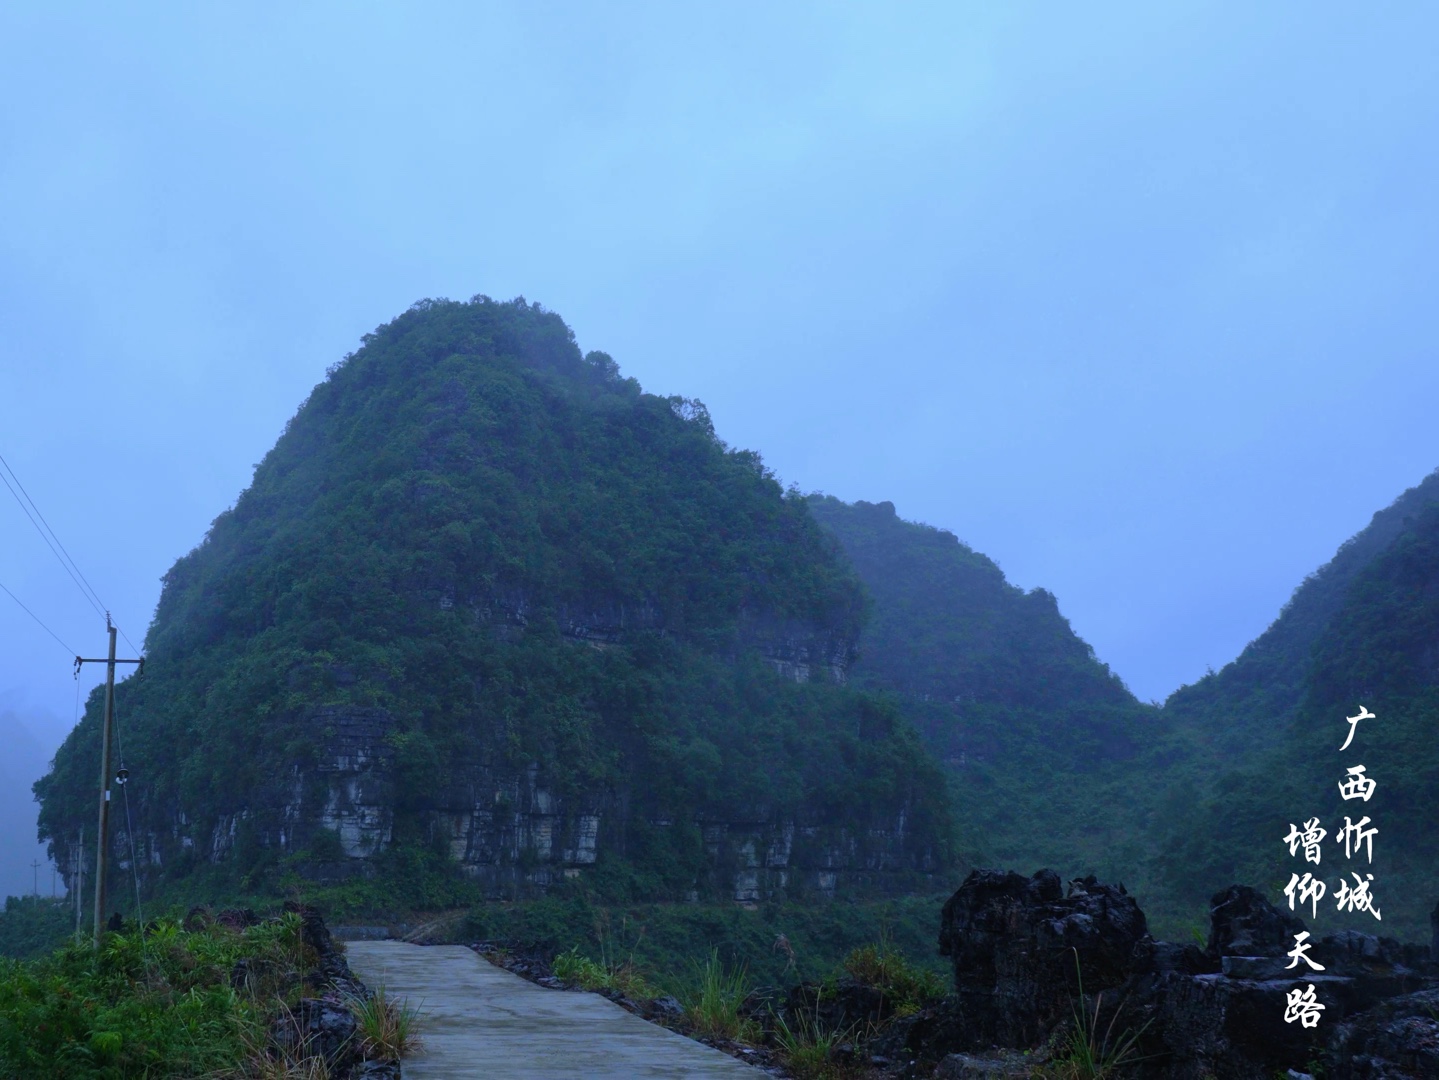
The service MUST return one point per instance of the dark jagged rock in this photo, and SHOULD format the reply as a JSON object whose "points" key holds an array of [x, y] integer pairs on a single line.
{"points": [[1395, 1039], [1434, 934], [1004, 1065], [1243, 923], [663, 1008], [332, 971], [313, 931], [1231, 1022], [924, 1038], [1186, 959], [846, 1006], [376, 1070], [249, 972], [322, 1025], [1192, 1013], [1194, 1026], [1377, 967], [1020, 948]]}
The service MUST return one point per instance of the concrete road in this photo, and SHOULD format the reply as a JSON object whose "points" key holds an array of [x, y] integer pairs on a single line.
{"points": [[481, 1021]]}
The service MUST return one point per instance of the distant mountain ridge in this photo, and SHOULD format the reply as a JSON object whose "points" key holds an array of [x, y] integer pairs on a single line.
{"points": [[1265, 731], [1261, 690], [1053, 762], [947, 625], [1007, 696]]}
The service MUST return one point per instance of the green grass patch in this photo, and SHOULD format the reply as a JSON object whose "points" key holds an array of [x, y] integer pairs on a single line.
{"points": [[713, 1005], [809, 1047], [624, 978]]}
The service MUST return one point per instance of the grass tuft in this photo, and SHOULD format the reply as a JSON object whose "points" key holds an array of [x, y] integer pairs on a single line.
{"points": [[808, 1048], [713, 1005], [1088, 1055], [387, 1028]]}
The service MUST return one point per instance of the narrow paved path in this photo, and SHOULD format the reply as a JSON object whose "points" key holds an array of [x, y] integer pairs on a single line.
{"points": [[481, 1021]]}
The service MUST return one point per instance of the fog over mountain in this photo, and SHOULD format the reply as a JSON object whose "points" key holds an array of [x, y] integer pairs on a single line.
{"points": [[1131, 299], [28, 746]]}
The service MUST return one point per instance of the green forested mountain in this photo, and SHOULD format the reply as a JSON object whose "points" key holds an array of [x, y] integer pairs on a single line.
{"points": [[1042, 741], [1265, 732], [1053, 762], [488, 600], [489, 606]]}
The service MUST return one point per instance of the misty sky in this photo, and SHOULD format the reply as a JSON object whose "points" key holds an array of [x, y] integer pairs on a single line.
{"points": [[1134, 298]]}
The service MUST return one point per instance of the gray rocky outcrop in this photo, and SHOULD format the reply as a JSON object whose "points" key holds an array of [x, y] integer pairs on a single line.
{"points": [[1020, 946]]}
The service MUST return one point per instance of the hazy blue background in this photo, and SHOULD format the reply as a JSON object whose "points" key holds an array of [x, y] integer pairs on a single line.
{"points": [[1138, 299]]}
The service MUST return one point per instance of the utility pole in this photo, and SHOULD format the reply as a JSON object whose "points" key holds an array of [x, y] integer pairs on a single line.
{"points": [[35, 874], [100, 840], [79, 879]]}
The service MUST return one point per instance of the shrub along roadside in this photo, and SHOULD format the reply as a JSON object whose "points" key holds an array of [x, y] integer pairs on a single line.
{"points": [[160, 1004], [214, 997]]}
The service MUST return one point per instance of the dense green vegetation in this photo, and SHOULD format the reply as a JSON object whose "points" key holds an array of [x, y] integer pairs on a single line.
{"points": [[160, 1004], [32, 926], [526, 562]]}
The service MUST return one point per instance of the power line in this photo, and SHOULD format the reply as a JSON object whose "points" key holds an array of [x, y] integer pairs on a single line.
{"points": [[37, 618], [99, 608], [126, 636], [41, 516], [68, 562]]}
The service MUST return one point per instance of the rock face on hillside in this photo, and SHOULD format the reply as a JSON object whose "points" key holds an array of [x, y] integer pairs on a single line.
{"points": [[511, 834], [489, 606], [1018, 943]]}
